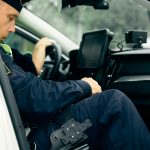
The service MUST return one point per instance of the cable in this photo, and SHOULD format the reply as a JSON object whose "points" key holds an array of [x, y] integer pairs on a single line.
{"points": [[119, 44]]}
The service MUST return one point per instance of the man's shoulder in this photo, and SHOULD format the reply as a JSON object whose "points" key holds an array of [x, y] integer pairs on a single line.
{"points": [[1, 49], [7, 59]]}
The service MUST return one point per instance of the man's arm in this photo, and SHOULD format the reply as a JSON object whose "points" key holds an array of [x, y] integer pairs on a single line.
{"points": [[38, 55], [24, 61], [40, 100]]}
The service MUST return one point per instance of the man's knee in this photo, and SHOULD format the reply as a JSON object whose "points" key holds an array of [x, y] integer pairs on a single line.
{"points": [[113, 92], [115, 103], [114, 95]]}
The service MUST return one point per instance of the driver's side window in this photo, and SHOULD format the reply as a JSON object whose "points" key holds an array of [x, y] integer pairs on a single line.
{"points": [[20, 43]]}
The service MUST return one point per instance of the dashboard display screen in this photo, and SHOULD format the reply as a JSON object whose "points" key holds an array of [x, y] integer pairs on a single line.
{"points": [[93, 49]]}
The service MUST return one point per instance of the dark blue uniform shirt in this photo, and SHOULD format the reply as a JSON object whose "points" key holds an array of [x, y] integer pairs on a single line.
{"points": [[37, 99]]}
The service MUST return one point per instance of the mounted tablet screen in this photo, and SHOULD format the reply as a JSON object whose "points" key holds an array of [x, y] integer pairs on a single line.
{"points": [[94, 48]]}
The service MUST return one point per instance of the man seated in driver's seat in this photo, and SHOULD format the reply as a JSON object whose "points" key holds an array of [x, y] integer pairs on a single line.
{"points": [[116, 124]]}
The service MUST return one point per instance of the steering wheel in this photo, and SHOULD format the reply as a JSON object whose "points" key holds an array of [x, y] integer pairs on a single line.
{"points": [[51, 66]]}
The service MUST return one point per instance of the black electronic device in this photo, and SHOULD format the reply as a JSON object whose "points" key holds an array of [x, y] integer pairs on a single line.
{"points": [[97, 4], [71, 134], [94, 49], [136, 36]]}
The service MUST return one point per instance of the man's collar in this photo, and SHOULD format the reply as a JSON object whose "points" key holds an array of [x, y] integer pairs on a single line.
{"points": [[6, 48]]}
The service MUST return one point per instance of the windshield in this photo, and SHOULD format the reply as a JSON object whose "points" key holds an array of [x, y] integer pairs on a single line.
{"points": [[122, 16]]}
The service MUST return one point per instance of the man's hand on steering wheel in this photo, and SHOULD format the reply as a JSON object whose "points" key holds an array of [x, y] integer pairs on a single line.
{"points": [[39, 52]]}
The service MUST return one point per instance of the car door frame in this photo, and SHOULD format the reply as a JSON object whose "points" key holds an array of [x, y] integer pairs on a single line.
{"points": [[17, 125]]}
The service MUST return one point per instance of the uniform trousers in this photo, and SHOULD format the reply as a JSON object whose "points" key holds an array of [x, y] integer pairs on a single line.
{"points": [[116, 124]]}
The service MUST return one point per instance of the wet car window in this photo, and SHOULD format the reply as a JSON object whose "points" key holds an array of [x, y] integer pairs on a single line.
{"points": [[123, 15], [20, 43]]}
